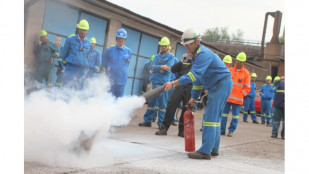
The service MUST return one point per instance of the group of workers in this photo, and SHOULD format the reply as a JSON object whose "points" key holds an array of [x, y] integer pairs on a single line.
{"points": [[198, 70], [78, 60]]}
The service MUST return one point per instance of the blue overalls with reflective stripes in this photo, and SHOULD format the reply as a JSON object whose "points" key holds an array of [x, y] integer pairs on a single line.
{"points": [[266, 93], [209, 72], [249, 103]]}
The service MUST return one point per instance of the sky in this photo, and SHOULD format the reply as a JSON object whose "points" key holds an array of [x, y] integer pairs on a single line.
{"points": [[246, 15]]}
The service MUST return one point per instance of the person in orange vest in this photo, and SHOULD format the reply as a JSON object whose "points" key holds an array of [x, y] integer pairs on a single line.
{"points": [[227, 60], [241, 88]]}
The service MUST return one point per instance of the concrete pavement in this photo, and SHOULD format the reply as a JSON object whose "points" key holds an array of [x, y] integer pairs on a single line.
{"points": [[138, 150]]}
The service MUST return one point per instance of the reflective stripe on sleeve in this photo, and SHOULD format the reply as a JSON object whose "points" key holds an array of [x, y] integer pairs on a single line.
{"points": [[236, 98], [244, 92], [280, 90], [96, 67], [59, 59], [151, 108], [197, 87], [191, 76]]}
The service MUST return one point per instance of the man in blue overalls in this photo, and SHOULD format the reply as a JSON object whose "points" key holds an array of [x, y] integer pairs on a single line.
{"points": [[116, 61], [160, 74], [249, 102], [94, 60], [210, 73], [74, 56], [266, 94]]}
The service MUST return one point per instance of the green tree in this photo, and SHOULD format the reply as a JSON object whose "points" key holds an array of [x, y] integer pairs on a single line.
{"points": [[281, 39], [221, 34], [238, 36]]}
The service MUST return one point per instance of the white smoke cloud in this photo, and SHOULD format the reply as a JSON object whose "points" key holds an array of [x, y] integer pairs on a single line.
{"points": [[55, 118]]}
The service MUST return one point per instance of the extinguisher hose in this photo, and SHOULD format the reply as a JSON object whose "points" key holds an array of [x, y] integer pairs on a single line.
{"points": [[191, 117]]}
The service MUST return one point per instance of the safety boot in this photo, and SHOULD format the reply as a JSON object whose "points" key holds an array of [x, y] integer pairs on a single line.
{"points": [[269, 125], [214, 154], [144, 124], [256, 122], [273, 136], [181, 134], [230, 134], [199, 155], [162, 130], [222, 133], [246, 121]]}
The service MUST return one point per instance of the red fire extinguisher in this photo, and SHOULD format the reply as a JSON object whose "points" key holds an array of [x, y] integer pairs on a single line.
{"points": [[189, 132]]}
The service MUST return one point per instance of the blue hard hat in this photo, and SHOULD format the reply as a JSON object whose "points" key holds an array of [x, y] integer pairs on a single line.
{"points": [[122, 33]]}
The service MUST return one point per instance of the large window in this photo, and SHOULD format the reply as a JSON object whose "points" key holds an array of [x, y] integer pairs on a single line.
{"points": [[61, 20], [143, 46]]}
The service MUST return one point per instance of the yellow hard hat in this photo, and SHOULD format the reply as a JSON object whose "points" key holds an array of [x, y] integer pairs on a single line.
{"points": [[92, 40], [151, 58], [254, 75], [227, 59], [43, 33], [83, 24], [276, 78], [269, 78], [241, 57], [164, 41], [72, 35]]}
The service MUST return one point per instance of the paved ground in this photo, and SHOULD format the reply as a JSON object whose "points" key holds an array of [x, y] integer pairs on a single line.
{"points": [[137, 150]]}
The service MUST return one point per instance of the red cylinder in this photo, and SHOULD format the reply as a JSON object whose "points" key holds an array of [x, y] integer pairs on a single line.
{"points": [[189, 132]]}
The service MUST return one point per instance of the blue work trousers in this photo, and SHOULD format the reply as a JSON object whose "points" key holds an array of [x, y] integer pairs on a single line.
{"points": [[235, 116], [117, 90], [278, 116], [74, 77], [265, 110], [217, 97], [249, 103], [161, 101]]}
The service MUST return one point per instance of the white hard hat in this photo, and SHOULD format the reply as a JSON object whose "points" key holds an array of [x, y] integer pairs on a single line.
{"points": [[189, 36]]}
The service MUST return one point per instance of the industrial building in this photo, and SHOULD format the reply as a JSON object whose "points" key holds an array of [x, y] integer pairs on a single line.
{"points": [[59, 18]]}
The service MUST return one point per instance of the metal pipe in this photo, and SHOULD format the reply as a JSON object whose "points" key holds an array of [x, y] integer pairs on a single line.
{"points": [[264, 33]]}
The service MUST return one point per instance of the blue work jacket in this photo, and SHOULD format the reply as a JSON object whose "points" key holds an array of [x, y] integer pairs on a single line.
{"points": [[116, 62], [157, 74], [74, 52], [94, 60], [252, 90], [207, 70], [267, 92]]}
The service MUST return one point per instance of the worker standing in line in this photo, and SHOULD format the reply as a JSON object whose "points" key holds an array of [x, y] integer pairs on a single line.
{"points": [[74, 56], [273, 108], [249, 102], [116, 60], [181, 93], [46, 53], [241, 88], [60, 69], [208, 72], [227, 60], [266, 94], [146, 75], [173, 77], [279, 105], [160, 74], [94, 60]]}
